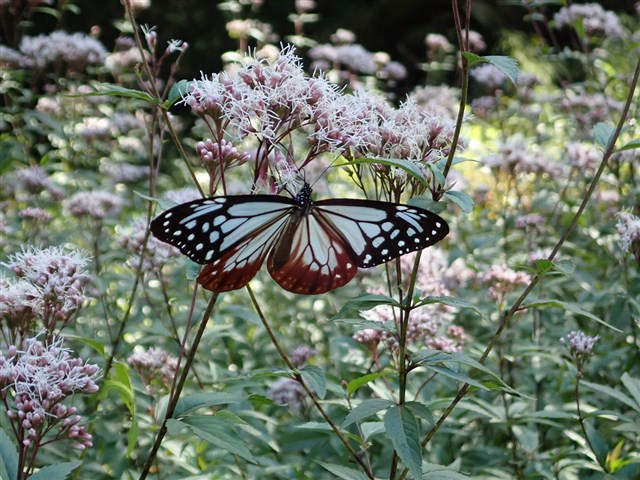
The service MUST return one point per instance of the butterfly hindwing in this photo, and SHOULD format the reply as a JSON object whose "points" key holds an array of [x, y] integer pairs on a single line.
{"points": [[311, 257]]}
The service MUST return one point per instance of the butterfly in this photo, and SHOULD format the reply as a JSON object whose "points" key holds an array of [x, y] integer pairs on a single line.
{"points": [[311, 247]]}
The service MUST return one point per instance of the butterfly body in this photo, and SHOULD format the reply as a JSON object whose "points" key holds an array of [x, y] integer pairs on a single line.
{"points": [[310, 247]]}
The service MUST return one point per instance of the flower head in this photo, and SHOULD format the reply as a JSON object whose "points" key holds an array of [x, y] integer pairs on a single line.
{"points": [[504, 280], [34, 380], [94, 204], [628, 227], [287, 391], [59, 278], [154, 365]]}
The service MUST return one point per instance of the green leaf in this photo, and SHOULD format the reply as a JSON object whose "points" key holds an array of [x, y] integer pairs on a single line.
{"points": [[633, 144], [602, 134], [355, 384], [95, 344], [449, 301], [433, 359], [599, 444], [472, 58], [421, 410], [314, 378], [365, 409], [462, 199], [59, 471], [570, 307], [427, 203], [111, 90], [217, 432], [431, 471], [402, 429], [408, 166], [507, 65], [120, 382], [633, 385], [177, 92], [367, 301], [8, 458], [343, 472], [198, 400], [613, 393], [564, 266], [164, 204]]}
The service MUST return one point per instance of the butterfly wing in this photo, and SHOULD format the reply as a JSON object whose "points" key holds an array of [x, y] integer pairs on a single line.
{"points": [[377, 232], [310, 257], [232, 234]]}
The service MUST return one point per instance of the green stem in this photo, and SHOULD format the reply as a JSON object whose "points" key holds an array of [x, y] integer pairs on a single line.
{"points": [[173, 401], [298, 377]]}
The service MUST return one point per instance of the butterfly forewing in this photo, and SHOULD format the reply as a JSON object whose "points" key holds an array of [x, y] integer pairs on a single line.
{"points": [[381, 231], [206, 229]]}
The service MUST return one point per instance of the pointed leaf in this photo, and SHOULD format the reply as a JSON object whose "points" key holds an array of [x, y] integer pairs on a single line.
{"points": [[59, 471], [177, 92], [597, 442], [633, 144], [507, 65], [613, 393], [432, 471], [633, 385], [343, 472], [198, 400], [217, 432], [449, 301], [314, 378], [118, 91], [461, 199], [570, 307], [365, 409], [355, 384], [8, 458], [402, 429], [421, 410], [411, 167], [602, 134], [353, 307]]}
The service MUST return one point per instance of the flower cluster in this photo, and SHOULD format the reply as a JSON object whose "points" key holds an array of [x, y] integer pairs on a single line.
{"points": [[57, 282], [628, 227], [155, 366], [289, 392], [347, 61], [157, 253], [589, 108], [429, 325], [35, 379], [94, 204], [580, 346], [302, 354], [34, 181], [124, 172], [583, 156], [269, 100], [504, 280], [533, 222], [515, 155], [76, 50], [489, 75], [594, 20]]}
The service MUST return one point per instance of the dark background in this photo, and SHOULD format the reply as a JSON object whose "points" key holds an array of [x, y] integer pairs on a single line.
{"points": [[397, 27]]}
